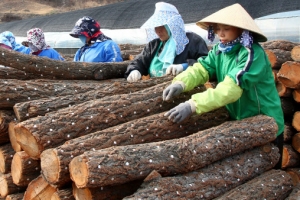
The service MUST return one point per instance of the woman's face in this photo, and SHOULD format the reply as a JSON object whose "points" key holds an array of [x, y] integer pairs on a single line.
{"points": [[227, 33], [162, 33]]}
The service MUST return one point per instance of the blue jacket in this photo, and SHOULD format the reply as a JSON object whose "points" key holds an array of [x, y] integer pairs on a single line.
{"points": [[51, 53], [107, 51], [22, 49]]}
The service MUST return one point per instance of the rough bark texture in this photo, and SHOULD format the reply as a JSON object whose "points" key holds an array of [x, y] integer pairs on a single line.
{"points": [[64, 194], [273, 184], [280, 57], [289, 74], [295, 194], [295, 53], [106, 193], [12, 136], [17, 196], [288, 106], [6, 156], [213, 180], [11, 73], [296, 121], [290, 157], [24, 169], [40, 107], [39, 189], [6, 116], [295, 175], [65, 70], [117, 165], [44, 132], [288, 133], [279, 44], [54, 162], [7, 186]]}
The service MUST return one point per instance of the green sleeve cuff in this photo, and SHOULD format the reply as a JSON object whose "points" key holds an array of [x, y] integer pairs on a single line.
{"points": [[226, 92]]}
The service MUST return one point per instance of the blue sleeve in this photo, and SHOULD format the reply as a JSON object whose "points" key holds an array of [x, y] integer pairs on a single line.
{"points": [[113, 53], [185, 66]]}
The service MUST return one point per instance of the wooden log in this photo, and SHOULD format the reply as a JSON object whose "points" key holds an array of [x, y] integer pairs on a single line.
{"points": [[106, 193], [282, 90], [55, 161], [296, 120], [117, 165], [279, 44], [6, 116], [273, 184], [15, 91], [275, 71], [280, 57], [296, 95], [24, 169], [288, 132], [288, 74], [63, 194], [212, 180], [64, 70], [39, 107], [6, 156], [40, 133], [129, 54], [12, 136], [295, 194], [131, 46], [39, 189], [17, 196], [11, 73], [296, 142], [288, 107], [7, 186], [290, 157], [272, 57], [295, 175], [295, 53]]}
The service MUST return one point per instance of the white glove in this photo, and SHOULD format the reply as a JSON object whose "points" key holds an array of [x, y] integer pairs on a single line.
{"points": [[174, 69], [134, 76]]}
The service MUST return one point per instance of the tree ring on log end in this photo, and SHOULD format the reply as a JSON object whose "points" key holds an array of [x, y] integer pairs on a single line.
{"points": [[50, 166]]}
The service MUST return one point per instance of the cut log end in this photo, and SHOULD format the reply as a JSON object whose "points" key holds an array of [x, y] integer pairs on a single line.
{"points": [[27, 142], [50, 165], [4, 187], [12, 137], [2, 164], [81, 193], [79, 171], [16, 168]]}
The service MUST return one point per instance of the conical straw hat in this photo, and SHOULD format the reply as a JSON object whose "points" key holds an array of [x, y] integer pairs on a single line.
{"points": [[234, 15]]}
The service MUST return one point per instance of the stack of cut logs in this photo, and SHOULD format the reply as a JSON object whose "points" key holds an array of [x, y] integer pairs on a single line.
{"points": [[81, 131]]}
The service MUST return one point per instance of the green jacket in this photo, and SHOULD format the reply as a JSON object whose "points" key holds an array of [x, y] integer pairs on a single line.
{"points": [[245, 83]]}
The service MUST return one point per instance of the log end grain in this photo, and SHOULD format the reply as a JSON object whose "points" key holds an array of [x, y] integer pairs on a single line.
{"points": [[27, 141], [79, 171], [4, 186], [296, 142], [81, 193], [50, 166], [12, 137], [17, 168]]}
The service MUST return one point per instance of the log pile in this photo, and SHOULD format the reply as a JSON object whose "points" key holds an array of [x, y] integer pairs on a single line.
{"points": [[81, 131]]}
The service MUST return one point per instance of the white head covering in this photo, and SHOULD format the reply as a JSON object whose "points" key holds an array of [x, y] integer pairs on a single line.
{"points": [[167, 14]]}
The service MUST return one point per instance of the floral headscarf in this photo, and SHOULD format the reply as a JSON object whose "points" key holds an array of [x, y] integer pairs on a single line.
{"points": [[90, 28], [36, 37], [167, 14]]}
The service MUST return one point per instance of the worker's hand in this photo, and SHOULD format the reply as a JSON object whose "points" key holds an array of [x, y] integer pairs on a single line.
{"points": [[134, 76], [180, 112], [25, 43], [171, 91], [174, 69]]}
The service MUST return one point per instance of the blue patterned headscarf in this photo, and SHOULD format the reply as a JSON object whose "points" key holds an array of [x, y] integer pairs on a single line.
{"points": [[167, 14], [4, 40], [10, 37]]}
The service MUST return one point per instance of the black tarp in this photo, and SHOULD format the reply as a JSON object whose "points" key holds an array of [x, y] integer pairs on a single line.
{"points": [[133, 13]]}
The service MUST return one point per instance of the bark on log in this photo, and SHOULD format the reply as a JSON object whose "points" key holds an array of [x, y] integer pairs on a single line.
{"points": [[39, 189], [55, 162], [129, 54], [11, 73], [12, 136], [24, 169], [282, 90], [6, 156], [279, 44], [290, 157], [131, 46], [64, 70], [288, 133], [295, 175], [289, 74], [273, 184], [15, 91], [295, 194], [295, 53], [296, 121], [6, 116], [212, 180], [64, 194], [117, 165], [7, 186], [17, 196], [296, 95], [280, 56], [106, 193], [40, 107], [288, 107], [49, 131], [296, 142]]}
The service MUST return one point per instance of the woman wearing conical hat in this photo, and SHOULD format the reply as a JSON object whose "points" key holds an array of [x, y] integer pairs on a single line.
{"points": [[245, 82]]}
